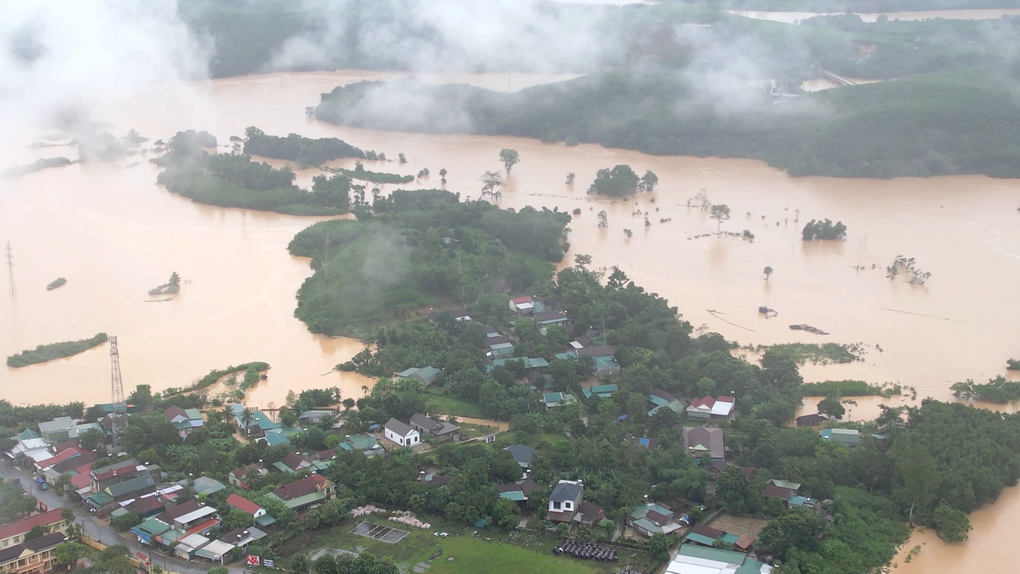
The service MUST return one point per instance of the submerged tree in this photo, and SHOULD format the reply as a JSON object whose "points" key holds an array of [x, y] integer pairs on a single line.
{"points": [[401, 158], [603, 219], [768, 272], [823, 230], [648, 181], [720, 213], [510, 158], [570, 178], [491, 182]]}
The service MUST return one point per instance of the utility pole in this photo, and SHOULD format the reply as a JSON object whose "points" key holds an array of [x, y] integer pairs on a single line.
{"points": [[10, 271], [118, 413]]}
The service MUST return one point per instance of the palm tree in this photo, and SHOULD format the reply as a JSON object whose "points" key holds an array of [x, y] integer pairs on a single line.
{"points": [[246, 420]]}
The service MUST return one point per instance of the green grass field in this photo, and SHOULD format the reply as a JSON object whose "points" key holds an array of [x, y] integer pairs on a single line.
{"points": [[451, 405], [491, 551]]}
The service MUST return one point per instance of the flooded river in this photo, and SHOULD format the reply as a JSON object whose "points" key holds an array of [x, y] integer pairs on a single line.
{"points": [[796, 17], [114, 234]]}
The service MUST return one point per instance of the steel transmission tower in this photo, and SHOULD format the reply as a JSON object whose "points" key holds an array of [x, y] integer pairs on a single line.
{"points": [[10, 271], [118, 414]]}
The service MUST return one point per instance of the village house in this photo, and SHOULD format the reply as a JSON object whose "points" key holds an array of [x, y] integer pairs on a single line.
{"points": [[34, 556], [704, 440], [368, 445], [401, 433], [312, 417], [602, 391], [811, 420], [191, 517], [591, 514], [554, 400], [849, 438], [441, 431], [565, 500], [242, 537], [518, 491], [660, 399], [238, 476], [57, 430], [650, 518], [184, 420], [696, 559], [522, 305], [710, 408], [112, 474], [427, 375], [521, 453], [309, 491], [246, 506], [605, 364], [292, 462], [14, 533], [782, 489], [259, 424]]}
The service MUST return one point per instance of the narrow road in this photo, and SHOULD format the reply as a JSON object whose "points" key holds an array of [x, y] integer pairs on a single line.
{"points": [[104, 533]]}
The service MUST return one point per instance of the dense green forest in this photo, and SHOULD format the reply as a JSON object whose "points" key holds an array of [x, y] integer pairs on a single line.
{"points": [[958, 122], [305, 151], [44, 353], [420, 248], [237, 181]]}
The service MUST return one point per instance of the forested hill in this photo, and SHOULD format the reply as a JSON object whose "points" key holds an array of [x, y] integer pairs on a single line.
{"points": [[960, 122]]}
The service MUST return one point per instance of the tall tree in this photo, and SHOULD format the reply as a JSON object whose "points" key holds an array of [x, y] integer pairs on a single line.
{"points": [[720, 213], [920, 477], [510, 158]]}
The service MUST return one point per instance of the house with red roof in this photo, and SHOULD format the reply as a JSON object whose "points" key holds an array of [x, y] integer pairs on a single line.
{"points": [[245, 505], [710, 408], [14, 533], [300, 494], [522, 305]]}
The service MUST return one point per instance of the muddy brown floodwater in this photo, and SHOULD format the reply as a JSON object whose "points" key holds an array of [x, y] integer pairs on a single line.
{"points": [[114, 234]]}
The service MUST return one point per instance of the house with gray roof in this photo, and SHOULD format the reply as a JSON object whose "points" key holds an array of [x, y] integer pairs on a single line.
{"points": [[565, 500], [701, 440], [57, 430], [401, 433], [522, 454], [441, 431]]}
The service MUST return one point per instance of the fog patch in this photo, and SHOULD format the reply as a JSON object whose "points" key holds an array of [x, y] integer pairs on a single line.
{"points": [[57, 56]]}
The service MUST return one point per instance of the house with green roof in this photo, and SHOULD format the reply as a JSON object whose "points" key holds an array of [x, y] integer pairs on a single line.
{"points": [[27, 434], [426, 375], [260, 423], [660, 399], [695, 559], [553, 400], [368, 445], [149, 530], [276, 437], [849, 438], [604, 391], [650, 519]]}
